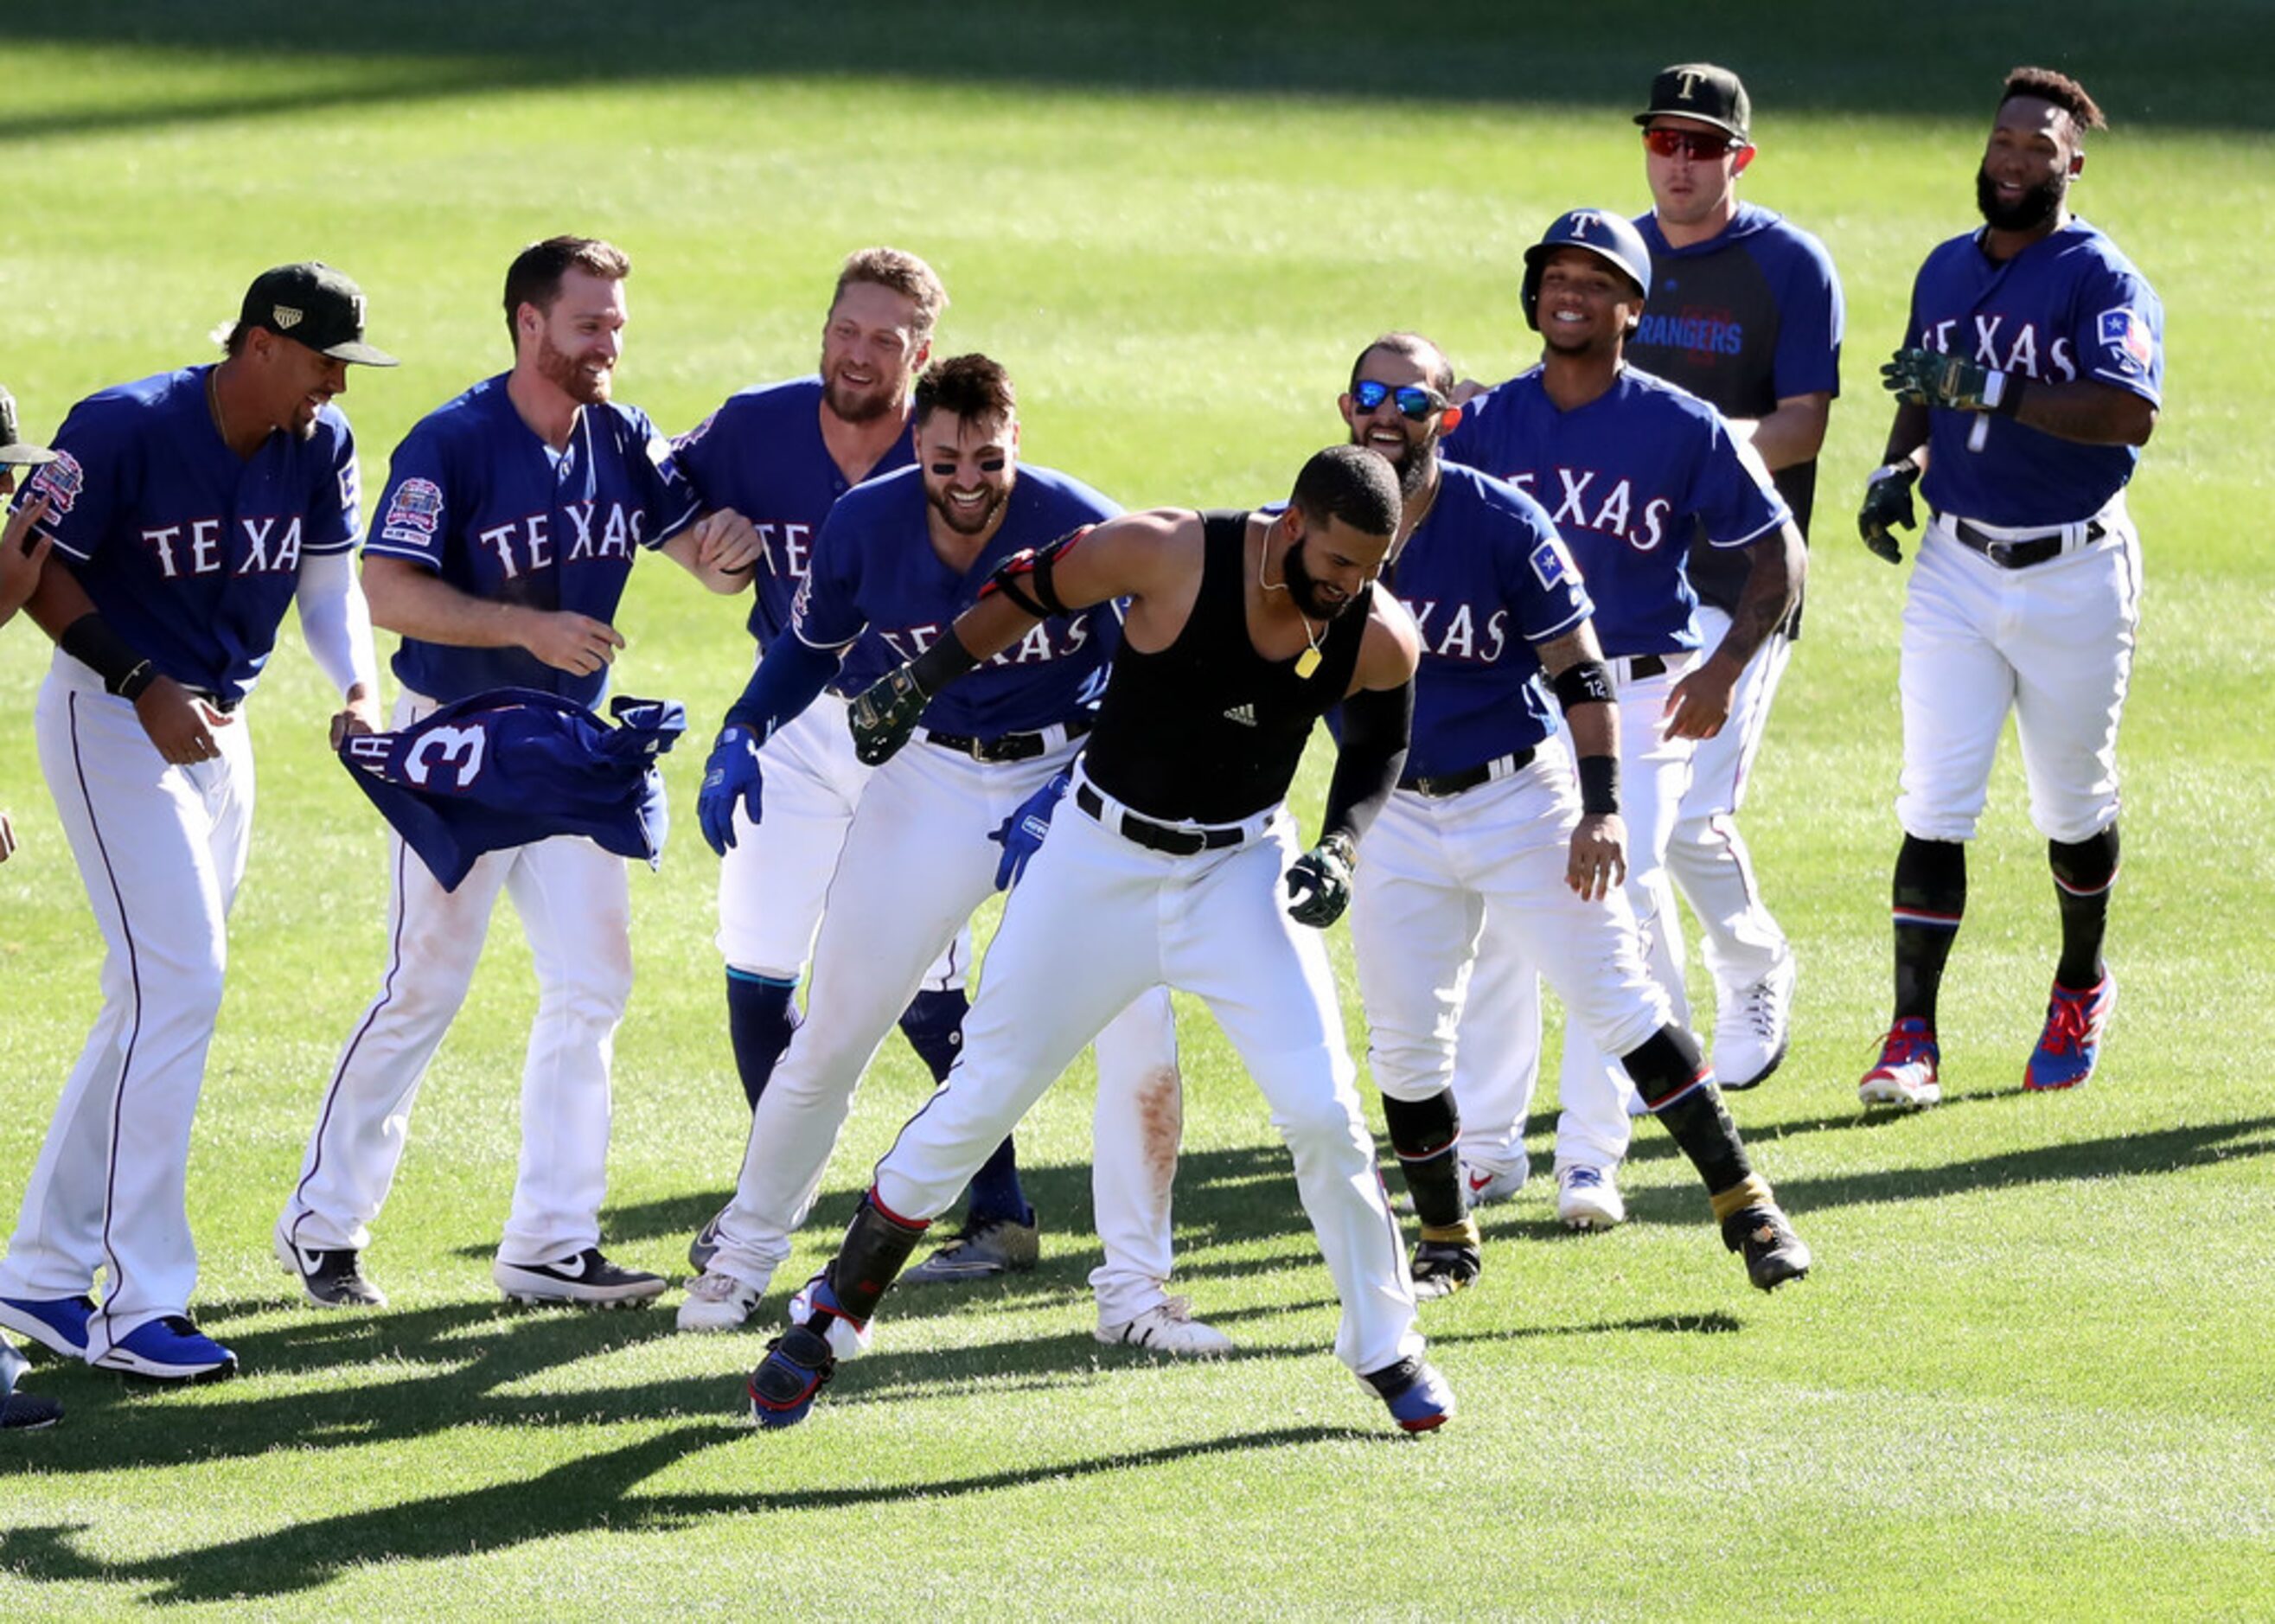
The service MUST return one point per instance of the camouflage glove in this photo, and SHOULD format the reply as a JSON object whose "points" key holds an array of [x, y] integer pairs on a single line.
{"points": [[1888, 506], [884, 713], [1922, 378], [1319, 883]]}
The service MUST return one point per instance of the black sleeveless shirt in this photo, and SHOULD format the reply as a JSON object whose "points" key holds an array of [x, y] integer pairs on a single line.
{"points": [[1207, 731]]}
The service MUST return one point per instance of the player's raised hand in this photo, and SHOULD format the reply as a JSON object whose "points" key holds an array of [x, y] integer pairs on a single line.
{"points": [[731, 777], [1021, 834], [883, 715], [569, 642], [22, 550], [1598, 863], [1888, 507], [180, 724], [1319, 883]]}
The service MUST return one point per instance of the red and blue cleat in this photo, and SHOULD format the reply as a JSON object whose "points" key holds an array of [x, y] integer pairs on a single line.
{"points": [[2071, 1042]]}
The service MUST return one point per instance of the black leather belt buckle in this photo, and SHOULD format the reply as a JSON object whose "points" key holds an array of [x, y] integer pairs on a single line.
{"points": [[214, 699], [1439, 787], [1155, 836], [2018, 554], [1010, 747]]}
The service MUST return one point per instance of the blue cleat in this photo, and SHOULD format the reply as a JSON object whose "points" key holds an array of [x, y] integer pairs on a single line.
{"points": [[798, 1364], [2071, 1042], [58, 1323], [1420, 1400], [168, 1349]]}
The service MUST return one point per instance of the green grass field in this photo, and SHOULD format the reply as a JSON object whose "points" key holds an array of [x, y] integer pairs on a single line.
{"points": [[2030, 1376]]}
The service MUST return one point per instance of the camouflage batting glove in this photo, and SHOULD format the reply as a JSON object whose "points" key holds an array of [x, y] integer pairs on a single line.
{"points": [[1319, 883], [1922, 378], [884, 714], [1888, 506]]}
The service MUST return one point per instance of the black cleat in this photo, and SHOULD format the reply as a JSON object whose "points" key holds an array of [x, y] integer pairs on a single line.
{"points": [[1441, 1268], [330, 1279], [1774, 1254], [797, 1366], [587, 1280]]}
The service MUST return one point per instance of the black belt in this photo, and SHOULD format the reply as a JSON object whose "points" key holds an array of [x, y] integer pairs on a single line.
{"points": [[1008, 746], [2010, 555], [1158, 836], [1454, 784], [214, 699], [1640, 666]]}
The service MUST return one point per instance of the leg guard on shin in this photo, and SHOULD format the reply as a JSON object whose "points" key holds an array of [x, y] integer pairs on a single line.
{"points": [[875, 1249], [1929, 896], [1671, 1076], [1424, 1133], [2085, 873]]}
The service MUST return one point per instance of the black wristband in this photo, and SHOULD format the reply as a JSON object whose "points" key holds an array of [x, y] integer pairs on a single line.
{"points": [[1600, 786], [90, 640], [129, 686], [942, 664], [2010, 395]]}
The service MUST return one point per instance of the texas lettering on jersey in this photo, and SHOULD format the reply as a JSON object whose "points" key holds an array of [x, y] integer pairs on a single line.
{"points": [[266, 545], [1611, 510]]}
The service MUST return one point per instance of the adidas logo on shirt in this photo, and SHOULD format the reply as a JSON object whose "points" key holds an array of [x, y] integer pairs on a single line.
{"points": [[1244, 714]]}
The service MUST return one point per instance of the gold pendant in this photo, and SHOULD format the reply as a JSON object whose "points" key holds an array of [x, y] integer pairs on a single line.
{"points": [[1307, 663]]}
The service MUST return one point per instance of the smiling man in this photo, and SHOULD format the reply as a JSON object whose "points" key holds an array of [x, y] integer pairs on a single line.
{"points": [[187, 512], [2031, 374], [508, 528]]}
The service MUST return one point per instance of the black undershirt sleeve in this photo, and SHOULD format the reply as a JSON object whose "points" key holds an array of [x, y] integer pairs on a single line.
{"points": [[1377, 725]]}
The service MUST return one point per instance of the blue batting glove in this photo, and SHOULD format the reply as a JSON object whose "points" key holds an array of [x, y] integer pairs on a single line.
{"points": [[1021, 834], [730, 775]]}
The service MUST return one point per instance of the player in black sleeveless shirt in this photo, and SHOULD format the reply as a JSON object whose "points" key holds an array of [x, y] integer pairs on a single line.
{"points": [[1240, 631]]}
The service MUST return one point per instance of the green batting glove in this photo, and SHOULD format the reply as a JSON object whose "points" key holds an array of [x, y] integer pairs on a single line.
{"points": [[1319, 883], [883, 715], [1922, 378], [1887, 506]]}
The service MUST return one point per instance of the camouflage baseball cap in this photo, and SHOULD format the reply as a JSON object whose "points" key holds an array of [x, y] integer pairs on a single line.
{"points": [[14, 450], [1702, 91], [313, 305]]}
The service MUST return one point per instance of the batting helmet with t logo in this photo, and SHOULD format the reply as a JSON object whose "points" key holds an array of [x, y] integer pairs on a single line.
{"points": [[1601, 232]]}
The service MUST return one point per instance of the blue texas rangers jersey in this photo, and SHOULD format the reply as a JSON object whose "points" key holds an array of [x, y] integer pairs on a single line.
{"points": [[2068, 307], [1628, 480], [513, 765], [476, 497], [1485, 578], [762, 454], [191, 553], [874, 570]]}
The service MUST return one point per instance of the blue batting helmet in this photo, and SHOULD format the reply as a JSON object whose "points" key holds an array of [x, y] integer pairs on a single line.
{"points": [[1608, 236]]}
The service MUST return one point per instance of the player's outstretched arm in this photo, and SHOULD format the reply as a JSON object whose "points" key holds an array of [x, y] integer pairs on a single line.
{"points": [[1597, 862], [1700, 703], [413, 600]]}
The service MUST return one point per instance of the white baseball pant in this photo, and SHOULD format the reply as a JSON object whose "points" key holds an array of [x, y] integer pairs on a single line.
{"points": [[916, 862], [575, 906], [161, 851], [773, 878], [1706, 854], [1099, 920], [2052, 643]]}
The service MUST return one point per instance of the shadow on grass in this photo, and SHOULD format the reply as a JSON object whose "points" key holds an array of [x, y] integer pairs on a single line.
{"points": [[2172, 65], [595, 1490]]}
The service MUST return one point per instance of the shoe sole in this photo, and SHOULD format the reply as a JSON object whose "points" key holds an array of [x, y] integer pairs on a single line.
{"points": [[926, 1275], [1123, 1340], [43, 1335], [1889, 1094], [701, 1327], [530, 1297], [1731, 1086], [288, 1260], [120, 1363], [1586, 1223], [28, 1412]]}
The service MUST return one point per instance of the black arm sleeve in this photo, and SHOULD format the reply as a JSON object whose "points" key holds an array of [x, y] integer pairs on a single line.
{"points": [[1377, 725]]}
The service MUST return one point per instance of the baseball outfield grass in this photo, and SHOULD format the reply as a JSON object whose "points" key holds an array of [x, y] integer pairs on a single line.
{"points": [[2031, 1376]]}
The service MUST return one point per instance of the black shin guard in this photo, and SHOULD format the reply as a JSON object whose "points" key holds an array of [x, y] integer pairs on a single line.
{"points": [[1670, 1074], [875, 1250], [2085, 873], [1424, 1133], [1930, 895]]}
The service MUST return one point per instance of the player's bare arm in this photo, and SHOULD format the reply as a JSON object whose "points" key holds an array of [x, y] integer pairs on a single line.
{"points": [[410, 599], [2089, 413], [1700, 703], [1792, 433], [180, 724], [1598, 863], [720, 549]]}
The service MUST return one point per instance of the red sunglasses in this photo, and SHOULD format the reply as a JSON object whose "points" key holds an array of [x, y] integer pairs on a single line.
{"points": [[1693, 144]]}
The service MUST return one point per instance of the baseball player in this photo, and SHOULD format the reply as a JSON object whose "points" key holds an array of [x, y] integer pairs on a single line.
{"points": [[1630, 470], [24, 547], [510, 522], [187, 510], [781, 456], [1240, 631], [915, 859], [1745, 311], [1487, 818], [2031, 374]]}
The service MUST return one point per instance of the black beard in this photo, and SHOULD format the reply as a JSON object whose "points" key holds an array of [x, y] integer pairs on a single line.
{"points": [[2034, 208], [1304, 587]]}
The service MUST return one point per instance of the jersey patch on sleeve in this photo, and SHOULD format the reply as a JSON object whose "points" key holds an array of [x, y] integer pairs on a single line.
{"points": [[415, 514], [2127, 339], [60, 481], [1550, 563], [695, 433]]}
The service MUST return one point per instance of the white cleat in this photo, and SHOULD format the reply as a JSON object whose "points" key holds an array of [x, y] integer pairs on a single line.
{"points": [[1754, 1027], [718, 1302], [1485, 1185], [1170, 1327], [1588, 1198]]}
